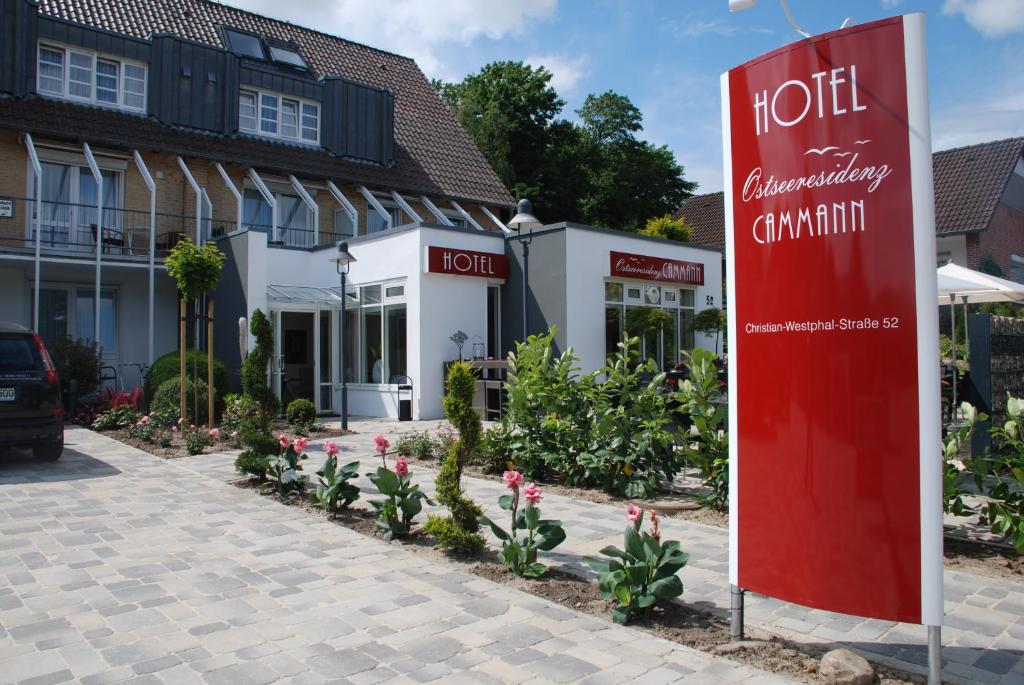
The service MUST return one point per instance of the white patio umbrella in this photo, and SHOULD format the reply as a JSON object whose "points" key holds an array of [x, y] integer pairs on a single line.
{"points": [[955, 281]]}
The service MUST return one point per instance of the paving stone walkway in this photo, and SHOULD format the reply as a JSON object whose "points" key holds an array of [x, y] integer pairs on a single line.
{"points": [[116, 566], [983, 635]]}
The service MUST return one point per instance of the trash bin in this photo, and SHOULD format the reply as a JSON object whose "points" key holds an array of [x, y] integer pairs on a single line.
{"points": [[405, 405]]}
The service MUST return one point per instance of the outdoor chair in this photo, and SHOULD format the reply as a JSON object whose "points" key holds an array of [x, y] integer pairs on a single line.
{"points": [[112, 237]]}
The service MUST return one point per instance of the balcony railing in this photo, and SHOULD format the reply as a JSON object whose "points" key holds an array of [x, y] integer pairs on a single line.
{"points": [[299, 237], [72, 229]]}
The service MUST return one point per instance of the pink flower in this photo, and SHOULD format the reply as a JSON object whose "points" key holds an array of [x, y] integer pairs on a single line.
{"points": [[401, 467], [634, 513], [513, 479], [330, 448], [144, 419], [532, 493], [174, 429], [234, 434], [215, 433], [300, 445], [381, 444], [284, 441], [181, 420], [192, 426]]}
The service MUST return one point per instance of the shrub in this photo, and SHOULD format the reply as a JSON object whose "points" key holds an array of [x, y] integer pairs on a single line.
{"points": [[418, 445], [668, 228], [334, 492], [143, 429], [76, 361], [403, 499], [110, 398], [644, 573], [196, 440], [301, 415], [707, 446], [520, 554], [167, 397], [451, 537], [255, 365], [167, 367], [253, 463], [458, 407], [123, 416]]}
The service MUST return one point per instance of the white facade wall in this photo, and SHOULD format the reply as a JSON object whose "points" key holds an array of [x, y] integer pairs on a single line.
{"points": [[588, 266]]}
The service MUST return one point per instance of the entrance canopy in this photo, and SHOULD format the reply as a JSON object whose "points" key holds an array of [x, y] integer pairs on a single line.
{"points": [[326, 298]]}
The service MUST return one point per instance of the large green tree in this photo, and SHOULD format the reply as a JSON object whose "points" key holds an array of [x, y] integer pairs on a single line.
{"points": [[596, 171]]}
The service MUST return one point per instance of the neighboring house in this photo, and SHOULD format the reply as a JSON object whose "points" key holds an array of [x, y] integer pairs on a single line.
{"points": [[979, 208]]}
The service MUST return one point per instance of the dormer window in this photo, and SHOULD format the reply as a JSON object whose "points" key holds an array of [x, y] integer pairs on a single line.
{"points": [[278, 116], [86, 76], [287, 55], [244, 44]]}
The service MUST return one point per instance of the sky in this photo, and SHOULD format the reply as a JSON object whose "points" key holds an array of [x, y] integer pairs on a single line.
{"points": [[667, 55]]}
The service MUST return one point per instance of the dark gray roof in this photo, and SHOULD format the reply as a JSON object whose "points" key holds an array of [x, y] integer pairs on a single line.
{"points": [[969, 181], [433, 153]]}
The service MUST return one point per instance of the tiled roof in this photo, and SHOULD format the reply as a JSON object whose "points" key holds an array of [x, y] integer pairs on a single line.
{"points": [[433, 153], [705, 214], [968, 184]]}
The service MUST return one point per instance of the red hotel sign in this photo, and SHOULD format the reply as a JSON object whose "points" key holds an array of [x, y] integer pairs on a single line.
{"points": [[450, 260], [835, 475], [626, 265]]}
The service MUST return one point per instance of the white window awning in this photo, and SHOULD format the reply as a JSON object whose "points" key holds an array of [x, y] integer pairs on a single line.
{"points": [[304, 294]]}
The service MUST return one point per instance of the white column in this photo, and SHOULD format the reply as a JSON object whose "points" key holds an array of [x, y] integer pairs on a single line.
{"points": [[375, 203], [37, 169], [346, 205], [144, 171], [269, 197], [95, 169], [406, 207], [466, 215], [301, 190], [438, 214], [199, 198], [234, 191]]}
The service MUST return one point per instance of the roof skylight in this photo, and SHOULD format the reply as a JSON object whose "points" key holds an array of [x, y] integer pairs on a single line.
{"points": [[245, 44], [287, 55]]}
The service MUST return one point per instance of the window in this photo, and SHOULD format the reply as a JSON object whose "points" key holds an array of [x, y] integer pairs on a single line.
{"points": [[268, 114], [287, 55], [244, 44], [89, 77], [376, 223], [247, 111], [294, 220], [69, 311], [675, 335], [278, 116], [343, 225], [376, 345], [68, 217]]}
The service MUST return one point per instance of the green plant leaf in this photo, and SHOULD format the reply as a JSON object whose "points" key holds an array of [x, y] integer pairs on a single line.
{"points": [[666, 588], [495, 528], [534, 570], [622, 594], [621, 614], [599, 565], [505, 502], [634, 545]]}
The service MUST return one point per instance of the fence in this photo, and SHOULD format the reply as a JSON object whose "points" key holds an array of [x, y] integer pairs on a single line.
{"points": [[996, 369], [70, 228]]}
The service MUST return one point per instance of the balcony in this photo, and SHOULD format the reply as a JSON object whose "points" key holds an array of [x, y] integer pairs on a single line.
{"points": [[298, 237], [72, 230]]}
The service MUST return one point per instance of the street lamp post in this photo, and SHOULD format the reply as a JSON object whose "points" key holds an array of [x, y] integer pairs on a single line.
{"points": [[524, 220], [342, 261]]}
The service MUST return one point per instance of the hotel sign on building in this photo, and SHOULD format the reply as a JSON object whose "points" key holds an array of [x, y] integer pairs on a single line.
{"points": [[643, 267]]}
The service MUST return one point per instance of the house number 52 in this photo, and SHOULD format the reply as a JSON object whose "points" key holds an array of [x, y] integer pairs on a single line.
{"points": [[710, 300]]}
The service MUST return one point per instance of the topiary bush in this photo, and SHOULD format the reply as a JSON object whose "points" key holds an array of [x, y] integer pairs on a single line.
{"points": [[76, 361], [167, 398], [254, 368], [167, 367], [458, 533], [301, 415]]}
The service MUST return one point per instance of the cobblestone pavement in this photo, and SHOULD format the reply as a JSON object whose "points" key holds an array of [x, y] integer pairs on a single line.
{"points": [[116, 566], [983, 635]]}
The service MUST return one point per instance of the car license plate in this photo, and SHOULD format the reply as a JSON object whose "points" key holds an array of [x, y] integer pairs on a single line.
{"points": [[7, 394]]}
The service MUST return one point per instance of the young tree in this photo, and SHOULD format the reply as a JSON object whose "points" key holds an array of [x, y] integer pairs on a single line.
{"points": [[711, 320], [668, 228]]}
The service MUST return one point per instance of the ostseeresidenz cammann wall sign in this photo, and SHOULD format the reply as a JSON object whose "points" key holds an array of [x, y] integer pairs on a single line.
{"points": [[834, 394]]}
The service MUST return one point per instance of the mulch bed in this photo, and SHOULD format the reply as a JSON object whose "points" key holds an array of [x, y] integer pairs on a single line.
{"points": [[176, 449], [680, 623]]}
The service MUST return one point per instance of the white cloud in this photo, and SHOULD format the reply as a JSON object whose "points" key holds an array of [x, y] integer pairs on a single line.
{"points": [[891, 3], [566, 72], [691, 26], [990, 17], [414, 28]]}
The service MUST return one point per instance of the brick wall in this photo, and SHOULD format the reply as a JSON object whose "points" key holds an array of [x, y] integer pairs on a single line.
{"points": [[1005, 236]]}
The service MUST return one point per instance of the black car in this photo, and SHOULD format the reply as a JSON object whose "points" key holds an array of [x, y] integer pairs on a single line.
{"points": [[31, 408]]}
